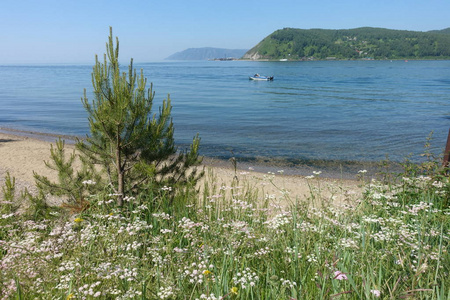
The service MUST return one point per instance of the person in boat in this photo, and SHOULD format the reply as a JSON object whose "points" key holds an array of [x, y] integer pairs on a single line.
{"points": [[256, 75]]}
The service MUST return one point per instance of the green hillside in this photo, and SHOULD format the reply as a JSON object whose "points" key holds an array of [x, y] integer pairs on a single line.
{"points": [[359, 43], [446, 31]]}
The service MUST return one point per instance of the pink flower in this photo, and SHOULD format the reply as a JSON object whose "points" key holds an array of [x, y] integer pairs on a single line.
{"points": [[340, 276]]}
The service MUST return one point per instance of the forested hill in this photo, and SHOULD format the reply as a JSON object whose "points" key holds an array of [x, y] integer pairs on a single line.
{"points": [[446, 31], [359, 43]]}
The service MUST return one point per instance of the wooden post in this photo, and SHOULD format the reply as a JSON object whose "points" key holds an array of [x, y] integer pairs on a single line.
{"points": [[447, 151]]}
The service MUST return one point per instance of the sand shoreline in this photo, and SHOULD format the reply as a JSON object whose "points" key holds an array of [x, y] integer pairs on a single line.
{"points": [[21, 153], [334, 169]]}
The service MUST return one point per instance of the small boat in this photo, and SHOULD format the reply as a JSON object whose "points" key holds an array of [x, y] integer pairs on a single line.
{"points": [[259, 77]]}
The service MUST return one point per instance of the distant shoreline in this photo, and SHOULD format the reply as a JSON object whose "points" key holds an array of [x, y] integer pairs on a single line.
{"points": [[90, 64], [344, 59]]}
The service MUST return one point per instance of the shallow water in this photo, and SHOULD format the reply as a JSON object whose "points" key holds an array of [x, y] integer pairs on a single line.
{"points": [[324, 111]]}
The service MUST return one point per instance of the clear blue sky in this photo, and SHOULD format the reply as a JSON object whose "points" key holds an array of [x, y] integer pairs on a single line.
{"points": [[73, 31]]}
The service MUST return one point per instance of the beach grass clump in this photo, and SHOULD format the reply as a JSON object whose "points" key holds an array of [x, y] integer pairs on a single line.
{"points": [[392, 243]]}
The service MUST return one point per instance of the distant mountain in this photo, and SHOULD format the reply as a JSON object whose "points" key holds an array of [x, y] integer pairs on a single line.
{"points": [[358, 43], [207, 53]]}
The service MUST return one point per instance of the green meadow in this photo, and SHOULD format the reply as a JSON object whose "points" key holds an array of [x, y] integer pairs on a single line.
{"points": [[231, 242]]}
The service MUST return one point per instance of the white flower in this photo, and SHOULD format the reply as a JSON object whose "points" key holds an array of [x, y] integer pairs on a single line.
{"points": [[376, 293], [88, 182], [165, 292], [438, 184], [166, 188], [247, 276]]}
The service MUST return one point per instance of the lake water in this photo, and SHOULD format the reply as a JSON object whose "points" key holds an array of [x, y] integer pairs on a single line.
{"points": [[313, 111]]}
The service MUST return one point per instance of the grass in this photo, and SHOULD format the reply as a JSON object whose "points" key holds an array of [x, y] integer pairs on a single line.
{"points": [[392, 243]]}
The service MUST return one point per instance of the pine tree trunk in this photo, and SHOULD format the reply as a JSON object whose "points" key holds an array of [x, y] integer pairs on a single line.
{"points": [[120, 177], [120, 190]]}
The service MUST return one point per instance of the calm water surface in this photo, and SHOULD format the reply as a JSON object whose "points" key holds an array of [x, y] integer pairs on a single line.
{"points": [[330, 111]]}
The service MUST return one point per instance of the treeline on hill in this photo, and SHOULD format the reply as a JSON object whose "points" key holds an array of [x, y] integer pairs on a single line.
{"points": [[359, 43]]}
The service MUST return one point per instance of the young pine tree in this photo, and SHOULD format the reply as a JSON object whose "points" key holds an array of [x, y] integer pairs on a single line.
{"points": [[134, 147], [70, 180]]}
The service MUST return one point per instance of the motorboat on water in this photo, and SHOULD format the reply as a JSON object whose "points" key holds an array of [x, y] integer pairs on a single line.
{"points": [[260, 77]]}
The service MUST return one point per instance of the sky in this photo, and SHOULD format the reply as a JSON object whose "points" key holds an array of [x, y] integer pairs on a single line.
{"points": [[73, 31]]}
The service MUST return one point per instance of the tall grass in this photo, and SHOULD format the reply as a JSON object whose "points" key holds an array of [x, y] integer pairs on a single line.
{"points": [[231, 243]]}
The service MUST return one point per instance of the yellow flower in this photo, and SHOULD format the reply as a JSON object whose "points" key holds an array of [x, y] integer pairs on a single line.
{"points": [[70, 296], [206, 272], [111, 214], [78, 220], [234, 290]]}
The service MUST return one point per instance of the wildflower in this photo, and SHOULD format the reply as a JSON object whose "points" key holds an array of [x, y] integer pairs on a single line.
{"points": [[78, 220], [6, 216], [209, 297], [376, 293], [437, 184], [246, 277], [166, 188], [288, 283], [88, 182], [317, 172], [424, 178], [348, 243], [195, 273], [279, 220], [179, 250], [128, 198], [362, 171], [234, 290], [165, 292], [70, 296], [338, 275], [206, 272]]}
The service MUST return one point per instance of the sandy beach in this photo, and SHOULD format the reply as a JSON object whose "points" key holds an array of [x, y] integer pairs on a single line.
{"points": [[21, 155]]}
